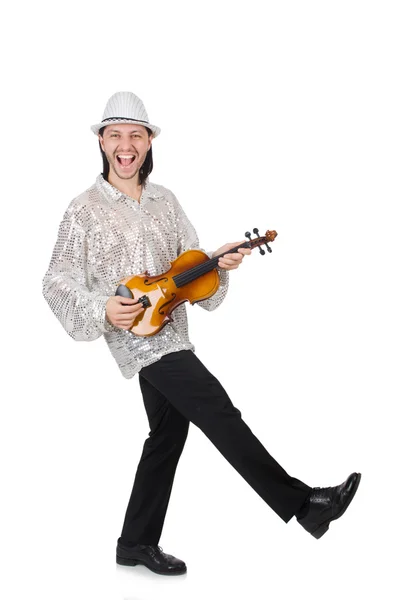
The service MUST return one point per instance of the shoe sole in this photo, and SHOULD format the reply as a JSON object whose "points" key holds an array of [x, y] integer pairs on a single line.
{"points": [[323, 528], [132, 562]]}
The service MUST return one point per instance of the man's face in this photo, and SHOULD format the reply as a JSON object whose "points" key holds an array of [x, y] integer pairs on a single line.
{"points": [[125, 147]]}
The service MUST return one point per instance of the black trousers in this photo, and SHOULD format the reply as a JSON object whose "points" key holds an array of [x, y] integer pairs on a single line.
{"points": [[178, 389]]}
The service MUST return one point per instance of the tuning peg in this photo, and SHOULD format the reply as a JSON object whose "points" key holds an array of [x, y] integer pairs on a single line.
{"points": [[266, 244], [248, 235], [261, 250]]}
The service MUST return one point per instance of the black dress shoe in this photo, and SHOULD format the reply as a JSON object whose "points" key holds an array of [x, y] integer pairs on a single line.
{"points": [[327, 504], [152, 557]]}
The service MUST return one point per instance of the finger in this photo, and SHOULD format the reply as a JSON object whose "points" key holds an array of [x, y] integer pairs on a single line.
{"points": [[123, 300], [127, 324], [129, 309], [224, 263], [128, 317], [230, 261], [232, 258], [229, 266]]}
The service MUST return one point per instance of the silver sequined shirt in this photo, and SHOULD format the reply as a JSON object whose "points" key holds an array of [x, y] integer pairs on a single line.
{"points": [[105, 236]]}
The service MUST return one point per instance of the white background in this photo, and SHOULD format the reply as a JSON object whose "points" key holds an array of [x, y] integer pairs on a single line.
{"points": [[277, 115]]}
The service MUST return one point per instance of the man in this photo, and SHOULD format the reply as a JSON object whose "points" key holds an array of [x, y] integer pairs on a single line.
{"points": [[125, 225]]}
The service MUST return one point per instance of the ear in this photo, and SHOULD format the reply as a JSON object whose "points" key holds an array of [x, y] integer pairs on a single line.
{"points": [[150, 140], [101, 141]]}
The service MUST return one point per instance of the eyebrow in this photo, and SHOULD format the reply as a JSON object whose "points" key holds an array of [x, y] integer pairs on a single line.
{"points": [[118, 131]]}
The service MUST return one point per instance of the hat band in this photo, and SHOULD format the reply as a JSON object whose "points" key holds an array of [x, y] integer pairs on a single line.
{"points": [[124, 119]]}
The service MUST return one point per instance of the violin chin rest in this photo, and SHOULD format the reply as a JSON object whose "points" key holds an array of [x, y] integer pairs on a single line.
{"points": [[124, 291]]}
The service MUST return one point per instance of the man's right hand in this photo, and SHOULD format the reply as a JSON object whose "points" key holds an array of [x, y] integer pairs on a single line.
{"points": [[122, 312]]}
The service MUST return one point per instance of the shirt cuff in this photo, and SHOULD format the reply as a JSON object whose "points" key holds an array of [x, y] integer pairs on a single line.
{"points": [[99, 314]]}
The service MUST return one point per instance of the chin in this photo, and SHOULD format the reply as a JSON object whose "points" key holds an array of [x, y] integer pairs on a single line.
{"points": [[126, 175]]}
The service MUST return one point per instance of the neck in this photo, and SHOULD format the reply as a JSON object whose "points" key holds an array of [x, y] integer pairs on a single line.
{"points": [[131, 187]]}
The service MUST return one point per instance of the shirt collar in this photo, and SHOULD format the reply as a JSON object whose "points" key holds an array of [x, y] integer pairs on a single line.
{"points": [[149, 190]]}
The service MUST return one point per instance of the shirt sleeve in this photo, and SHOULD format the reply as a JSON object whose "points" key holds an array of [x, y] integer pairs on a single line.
{"points": [[188, 240], [81, 312]]}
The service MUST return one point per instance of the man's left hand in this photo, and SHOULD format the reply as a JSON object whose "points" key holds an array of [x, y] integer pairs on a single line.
{"points": [[232, 260]]}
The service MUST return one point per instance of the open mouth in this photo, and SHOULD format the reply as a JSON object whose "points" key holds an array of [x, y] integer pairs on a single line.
{"points": [[125, 160]]}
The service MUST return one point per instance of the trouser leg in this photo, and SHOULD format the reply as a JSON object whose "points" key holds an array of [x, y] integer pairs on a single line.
{"points": [[151, 491], [200, 398]]}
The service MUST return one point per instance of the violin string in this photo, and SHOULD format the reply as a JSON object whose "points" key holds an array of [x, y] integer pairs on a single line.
{"points": [[205, 267], [208, 265], [194, 272], [189, 276], [198, 270]]}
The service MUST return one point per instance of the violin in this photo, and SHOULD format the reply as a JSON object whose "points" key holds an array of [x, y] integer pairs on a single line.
{"points": [[192, 277]]}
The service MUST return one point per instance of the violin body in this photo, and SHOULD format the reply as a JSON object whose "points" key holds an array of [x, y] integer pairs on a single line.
{"points": [[192, 277], [163, 295]]}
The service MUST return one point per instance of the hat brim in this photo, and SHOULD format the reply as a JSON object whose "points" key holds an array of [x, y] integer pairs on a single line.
{"points": [[98, 126]]}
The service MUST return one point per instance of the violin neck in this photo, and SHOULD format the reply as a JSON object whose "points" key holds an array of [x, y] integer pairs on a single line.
{"points": [[209, 265]]}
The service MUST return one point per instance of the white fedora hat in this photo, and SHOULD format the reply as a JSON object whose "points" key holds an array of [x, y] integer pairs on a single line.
{"points": [[125, 107]]}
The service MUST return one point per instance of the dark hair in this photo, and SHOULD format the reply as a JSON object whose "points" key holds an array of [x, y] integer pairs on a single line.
{"points": [[145, 169]]}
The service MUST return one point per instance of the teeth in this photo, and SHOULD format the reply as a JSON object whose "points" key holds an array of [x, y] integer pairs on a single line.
{"points": [[126, 155]]}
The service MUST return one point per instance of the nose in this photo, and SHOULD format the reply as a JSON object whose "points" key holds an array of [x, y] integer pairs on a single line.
{"points": [[126, 143]]}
